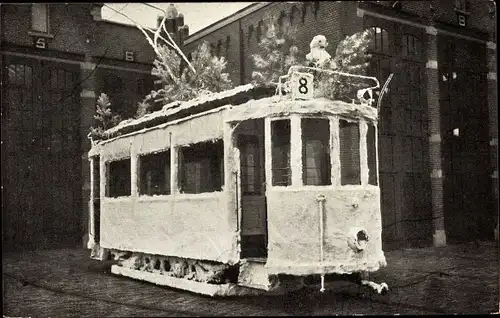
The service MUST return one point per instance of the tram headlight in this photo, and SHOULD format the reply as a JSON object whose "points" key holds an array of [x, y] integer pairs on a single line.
{"points": [[358, 240]]}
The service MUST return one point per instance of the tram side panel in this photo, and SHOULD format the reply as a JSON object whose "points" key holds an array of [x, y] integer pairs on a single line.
{"points": [[298, 246], [188, 225]]}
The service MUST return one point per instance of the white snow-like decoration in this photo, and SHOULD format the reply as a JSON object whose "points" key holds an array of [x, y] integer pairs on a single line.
{"points": [[175, 107], [318, 55], [268, 106]]}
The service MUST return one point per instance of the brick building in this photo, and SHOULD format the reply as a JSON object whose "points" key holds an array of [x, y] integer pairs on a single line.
{"points": [[56, 60], [438, 130]]}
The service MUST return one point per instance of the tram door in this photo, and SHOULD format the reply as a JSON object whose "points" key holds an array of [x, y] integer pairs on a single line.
{"points": [[250, 137]]}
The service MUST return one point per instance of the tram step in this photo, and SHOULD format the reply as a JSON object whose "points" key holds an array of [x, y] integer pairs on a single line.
{"points": [[254, 274]]}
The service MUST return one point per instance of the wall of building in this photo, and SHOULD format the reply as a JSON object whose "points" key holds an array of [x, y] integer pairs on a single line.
{"points": [[412, 138], [86, 51]]}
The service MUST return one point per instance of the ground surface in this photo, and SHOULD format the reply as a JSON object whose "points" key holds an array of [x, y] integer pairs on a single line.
{"points": [[61, 283]]}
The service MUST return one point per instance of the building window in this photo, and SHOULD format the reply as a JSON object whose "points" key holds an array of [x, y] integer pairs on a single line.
{"points": [[372, 154], [304, 11], [219, 48], [202, 167], [316, 8], [280, 161], [40, 17], [260, 31], [118, 178], [281, 22], [462, 5], [228, 43], [20, 75], [411, 45], [349, 153], [293, 14], [380, 41], [316, 166], [250, 33], [250, 164], [154, 173]]}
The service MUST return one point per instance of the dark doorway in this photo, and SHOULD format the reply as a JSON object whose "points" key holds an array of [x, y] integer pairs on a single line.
{"points": [[250, 139], [468, 201], [41, 175]]}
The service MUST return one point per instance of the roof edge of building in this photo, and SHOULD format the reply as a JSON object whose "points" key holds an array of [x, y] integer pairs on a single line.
{"points": [[225, 21]]}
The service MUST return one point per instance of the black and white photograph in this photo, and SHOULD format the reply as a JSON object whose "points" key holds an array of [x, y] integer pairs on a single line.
{"points": [[287, 158]]}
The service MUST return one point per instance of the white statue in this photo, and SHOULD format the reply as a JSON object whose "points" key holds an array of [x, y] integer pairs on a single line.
{"points": [[318, 55]]}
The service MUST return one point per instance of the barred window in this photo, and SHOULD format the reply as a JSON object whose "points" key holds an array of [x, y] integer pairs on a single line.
{"points": [[380, 42], [411, 45], [462, 5]]}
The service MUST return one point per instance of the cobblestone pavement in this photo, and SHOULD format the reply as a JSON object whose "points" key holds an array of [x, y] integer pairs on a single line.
{"points": [[65, 283]]}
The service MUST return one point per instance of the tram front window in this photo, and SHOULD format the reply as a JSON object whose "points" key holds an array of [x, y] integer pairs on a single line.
{"points": [[350, 170], [316, 167], [281, 171]]}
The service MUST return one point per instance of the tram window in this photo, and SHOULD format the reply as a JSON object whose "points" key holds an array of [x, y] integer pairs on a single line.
{"points": [[201, 167], [349, 153], [118, 178], [372, 155], [281, 171], [154, 173], [316, 167]]}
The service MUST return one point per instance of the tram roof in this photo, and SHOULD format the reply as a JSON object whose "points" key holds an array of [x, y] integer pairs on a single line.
{"points": [[252, 97]]}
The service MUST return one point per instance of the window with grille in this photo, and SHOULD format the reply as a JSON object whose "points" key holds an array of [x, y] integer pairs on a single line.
{"points": [[462, 5], [281, 170], [118, 178], [20, 75], [316, 166], [350, 169], [154, 173], [411, 45], [40, 17], [380, 41], [202, 167]]}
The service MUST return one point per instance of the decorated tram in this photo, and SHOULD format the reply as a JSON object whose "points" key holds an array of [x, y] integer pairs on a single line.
{"points": [[251, 190]]}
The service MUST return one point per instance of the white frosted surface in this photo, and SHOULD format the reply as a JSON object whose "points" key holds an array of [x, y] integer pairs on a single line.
{"points": [[269, 107], [191, 226], [294, 234]]}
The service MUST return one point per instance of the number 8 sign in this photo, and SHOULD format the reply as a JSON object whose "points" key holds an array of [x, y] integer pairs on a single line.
{"points": [[302, 85]]}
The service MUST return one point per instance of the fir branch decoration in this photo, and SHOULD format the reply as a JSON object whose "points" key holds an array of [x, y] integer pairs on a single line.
{"points": [[350, 57], [180, 83], [278, 53], [104, 118]]}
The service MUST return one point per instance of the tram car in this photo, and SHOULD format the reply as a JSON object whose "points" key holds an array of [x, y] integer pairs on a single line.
{"points": [[251, 190]]}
